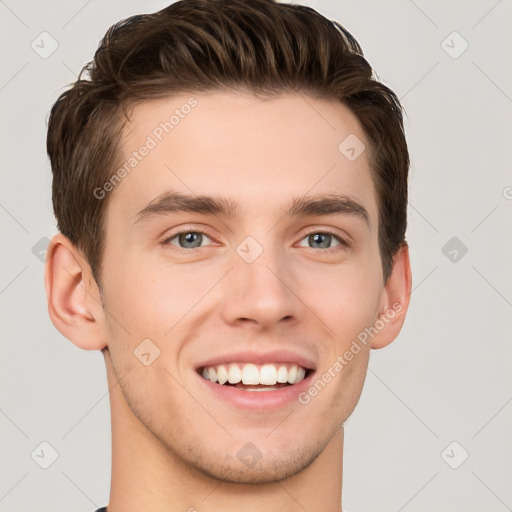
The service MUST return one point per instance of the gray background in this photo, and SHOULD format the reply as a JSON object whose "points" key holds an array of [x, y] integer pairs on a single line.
{"points": [[445, 379]]}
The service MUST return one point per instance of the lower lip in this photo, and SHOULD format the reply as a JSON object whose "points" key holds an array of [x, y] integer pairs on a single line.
{"points": [[258, 400]]}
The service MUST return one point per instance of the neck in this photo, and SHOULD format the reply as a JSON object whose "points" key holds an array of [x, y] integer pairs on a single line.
{"points": [[146, 475]]}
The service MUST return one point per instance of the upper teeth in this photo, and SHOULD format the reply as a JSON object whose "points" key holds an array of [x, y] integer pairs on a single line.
{"points": [[267, 374]]}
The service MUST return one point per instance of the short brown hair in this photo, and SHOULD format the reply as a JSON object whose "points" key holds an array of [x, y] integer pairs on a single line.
{"points": [[262, 46]]}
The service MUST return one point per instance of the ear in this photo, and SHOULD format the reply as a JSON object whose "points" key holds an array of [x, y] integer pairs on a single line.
{"points": [[395, 300], [74, 300]]}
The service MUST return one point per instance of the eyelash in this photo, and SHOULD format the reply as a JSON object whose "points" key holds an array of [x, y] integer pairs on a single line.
{"points": [[342, 242]]}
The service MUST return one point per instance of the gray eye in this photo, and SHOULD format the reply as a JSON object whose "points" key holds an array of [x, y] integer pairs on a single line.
{"points": [[189, 239], [321, 240]]}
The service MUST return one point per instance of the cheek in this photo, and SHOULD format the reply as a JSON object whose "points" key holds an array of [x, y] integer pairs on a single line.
{"points": [[148, 298], [346, 298]]}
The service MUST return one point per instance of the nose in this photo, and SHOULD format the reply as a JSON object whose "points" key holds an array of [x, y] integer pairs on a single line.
{"points": [[261, 293]]}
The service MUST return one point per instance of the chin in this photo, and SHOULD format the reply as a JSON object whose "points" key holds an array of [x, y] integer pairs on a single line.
{"points": [[246, 464]]}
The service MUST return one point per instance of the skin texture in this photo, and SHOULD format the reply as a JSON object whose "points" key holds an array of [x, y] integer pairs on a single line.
{"points": [[174, 446]]}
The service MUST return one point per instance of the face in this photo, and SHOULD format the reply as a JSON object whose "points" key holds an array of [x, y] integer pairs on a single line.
{"points": [[277, 267]]}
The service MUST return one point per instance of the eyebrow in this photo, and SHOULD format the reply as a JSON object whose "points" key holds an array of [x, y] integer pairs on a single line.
{"points": [[325, 204]]}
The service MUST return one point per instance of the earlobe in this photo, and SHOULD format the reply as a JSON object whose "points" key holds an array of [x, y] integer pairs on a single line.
{"points": [[395, 299], [74, 302]]}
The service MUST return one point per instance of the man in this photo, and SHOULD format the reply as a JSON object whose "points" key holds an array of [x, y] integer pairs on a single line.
{"points": [[230, 186]]}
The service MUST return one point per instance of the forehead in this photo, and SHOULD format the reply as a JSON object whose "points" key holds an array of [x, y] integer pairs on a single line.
{"points": [[256, 151]]}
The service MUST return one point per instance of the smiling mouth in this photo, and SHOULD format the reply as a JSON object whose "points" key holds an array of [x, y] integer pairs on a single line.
{"points": [[252, 377]]}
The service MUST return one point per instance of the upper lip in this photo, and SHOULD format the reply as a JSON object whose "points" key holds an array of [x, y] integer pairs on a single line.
{"points": [[276, 356]]}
